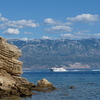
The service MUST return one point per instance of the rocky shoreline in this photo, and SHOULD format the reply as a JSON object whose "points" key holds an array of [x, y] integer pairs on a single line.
{"points": [[11, 84]]}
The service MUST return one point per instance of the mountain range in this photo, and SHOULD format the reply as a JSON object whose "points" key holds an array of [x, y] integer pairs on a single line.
{"points": [[45, 53]]}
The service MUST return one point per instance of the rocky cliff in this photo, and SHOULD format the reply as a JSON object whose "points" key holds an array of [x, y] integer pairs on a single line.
{"points": [[10, 70], [8, 58]]}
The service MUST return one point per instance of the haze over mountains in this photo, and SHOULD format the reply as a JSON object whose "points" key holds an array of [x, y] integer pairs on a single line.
{"points": [[45, 53]]}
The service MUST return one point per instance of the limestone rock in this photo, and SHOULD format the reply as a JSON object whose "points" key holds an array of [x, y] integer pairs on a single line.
{"points": [[44, 86], [5, 78], [44, 83], [10, 70], [8, 58]]}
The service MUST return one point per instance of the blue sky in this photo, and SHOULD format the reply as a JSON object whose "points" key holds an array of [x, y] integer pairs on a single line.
{"points": [[50, 19]]}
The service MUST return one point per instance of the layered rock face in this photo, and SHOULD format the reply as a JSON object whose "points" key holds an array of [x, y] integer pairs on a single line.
{"points": [[10, 70], [8, 58]]}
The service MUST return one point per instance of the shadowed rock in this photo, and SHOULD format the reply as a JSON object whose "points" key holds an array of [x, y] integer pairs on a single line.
{"points": [[11, 98]]}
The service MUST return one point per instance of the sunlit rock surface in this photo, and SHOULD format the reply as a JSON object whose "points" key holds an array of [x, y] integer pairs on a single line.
{"points": [[10, 70], [8, 58]]}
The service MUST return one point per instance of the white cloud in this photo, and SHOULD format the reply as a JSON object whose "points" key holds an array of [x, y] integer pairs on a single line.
{"points": [[24, 39], [13, 26], [21, 24], [5, 23], [58, 29], [67, 23], [96, 35], [11, 31], [78, 35], [2, 19], [28, 33], [2, 26], [46, 37], [50, 21], [84, 18], [66, 35]]}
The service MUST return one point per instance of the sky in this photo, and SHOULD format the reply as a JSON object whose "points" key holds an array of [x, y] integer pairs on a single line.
{"points": [[50, 19]]}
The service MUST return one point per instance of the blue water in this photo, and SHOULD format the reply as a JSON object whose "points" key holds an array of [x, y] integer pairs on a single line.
{"points": [[86, 83]]}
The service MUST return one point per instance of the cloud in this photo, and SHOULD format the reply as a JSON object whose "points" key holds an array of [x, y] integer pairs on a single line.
{"points": [[66, 35], [20, 24], [2, 19], [78, 35], [84, 18], [71, 36], [28, 33], [96, 35], [5, 23], [2, 26], [11, 31], [13, 26], [46, 37], [58, 29], [50, 21], [24, 39]]}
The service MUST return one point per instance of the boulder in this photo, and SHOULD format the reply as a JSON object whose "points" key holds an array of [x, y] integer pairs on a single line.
{"points": [[44, 86], [44, 83]]}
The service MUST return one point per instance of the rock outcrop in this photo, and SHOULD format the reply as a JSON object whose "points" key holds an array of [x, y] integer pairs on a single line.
{"points": [[8, 58], [10, 70], [44, 83]]}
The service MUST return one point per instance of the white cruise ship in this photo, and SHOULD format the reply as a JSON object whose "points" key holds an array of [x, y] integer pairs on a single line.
{"points": [[61, 69]]}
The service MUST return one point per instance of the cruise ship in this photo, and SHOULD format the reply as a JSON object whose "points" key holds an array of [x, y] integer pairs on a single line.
{"points": [[61, 69]]}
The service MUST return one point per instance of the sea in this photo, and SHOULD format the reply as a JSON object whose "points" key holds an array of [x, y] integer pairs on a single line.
{"points": [[86, 83]]}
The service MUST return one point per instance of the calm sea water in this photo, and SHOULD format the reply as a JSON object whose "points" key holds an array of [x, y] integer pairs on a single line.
{"points": [[86, 83]]}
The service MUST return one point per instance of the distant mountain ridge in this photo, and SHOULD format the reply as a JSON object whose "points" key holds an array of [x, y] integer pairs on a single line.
{"points": [[44, 53]]}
